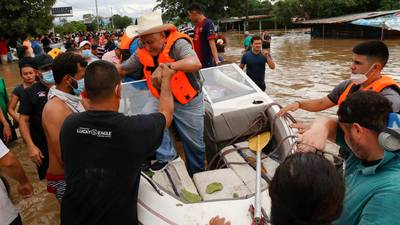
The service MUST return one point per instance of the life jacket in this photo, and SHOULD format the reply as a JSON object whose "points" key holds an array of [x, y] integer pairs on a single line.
{"points": [[181, 87], [377, 86], [126, 41]]}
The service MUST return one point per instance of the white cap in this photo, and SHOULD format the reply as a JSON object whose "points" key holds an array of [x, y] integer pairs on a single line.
{"points": [[83, 43]]}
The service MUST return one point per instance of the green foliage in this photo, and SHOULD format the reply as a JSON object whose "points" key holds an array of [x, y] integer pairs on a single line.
{"points": [[25, 16], [176, 9], [121, 22], [70, 27], [284, 10]]}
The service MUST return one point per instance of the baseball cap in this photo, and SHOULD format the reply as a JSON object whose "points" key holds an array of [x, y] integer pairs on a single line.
{"points": [[43, 61], [83, 43]]}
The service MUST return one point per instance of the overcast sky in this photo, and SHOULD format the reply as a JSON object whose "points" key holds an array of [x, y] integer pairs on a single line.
{"points": [[131, 8]]}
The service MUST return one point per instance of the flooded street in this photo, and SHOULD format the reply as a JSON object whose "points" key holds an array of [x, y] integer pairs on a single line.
{"points": [[305, 68]]}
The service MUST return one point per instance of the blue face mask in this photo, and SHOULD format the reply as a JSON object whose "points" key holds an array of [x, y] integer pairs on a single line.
{"points": [[48, 78], [86, 53], [80, 86]]}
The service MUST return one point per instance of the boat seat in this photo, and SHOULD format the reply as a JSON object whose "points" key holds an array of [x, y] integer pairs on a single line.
{"points": [[177, 180], [268, 163], [246, 173], [233, 186]]}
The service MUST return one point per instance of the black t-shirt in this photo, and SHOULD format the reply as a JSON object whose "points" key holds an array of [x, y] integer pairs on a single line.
{"points": [[31, 104], [19, 91], [103, 152], [46, 42]]}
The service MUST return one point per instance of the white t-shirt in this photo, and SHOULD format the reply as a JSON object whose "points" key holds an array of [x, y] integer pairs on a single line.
{"points": [[8, 212]]}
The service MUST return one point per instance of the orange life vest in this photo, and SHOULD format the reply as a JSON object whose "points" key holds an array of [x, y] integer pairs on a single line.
{"points": [[377, 86], [182, 90], [126, 41]]}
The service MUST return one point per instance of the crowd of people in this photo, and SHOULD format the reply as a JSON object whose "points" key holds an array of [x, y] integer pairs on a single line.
{"points": [[91, 155]]}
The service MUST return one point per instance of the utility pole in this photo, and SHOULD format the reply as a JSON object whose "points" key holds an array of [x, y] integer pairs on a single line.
{"points": [[112, 20], [247, 16], [97, 16]]}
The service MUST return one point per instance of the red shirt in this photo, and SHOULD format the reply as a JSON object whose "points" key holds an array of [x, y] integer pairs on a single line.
{"points": [[203, 32], [3, 47]]}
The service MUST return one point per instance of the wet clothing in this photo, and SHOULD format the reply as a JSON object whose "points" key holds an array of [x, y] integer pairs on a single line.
{"points": [[56, 184], [8, 212], [392, 95], [103, 152], [32, 104], [255, 67], [372, 189], [204, 31]]}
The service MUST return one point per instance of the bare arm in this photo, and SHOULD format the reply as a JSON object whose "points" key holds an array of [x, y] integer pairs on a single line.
{"points": [[7, 135], [270, 62], [13, 168], [12, 105], [214, 51], [34, 153], [316, 105], [166, 99], [242, 66], [55, 116], [189, 64], [313, 105], [322, 129]]}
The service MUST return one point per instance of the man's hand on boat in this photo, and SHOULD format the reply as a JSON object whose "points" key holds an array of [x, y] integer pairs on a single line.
{"points": [[301, 127], [291, 107], [219, 221], [315, 137]]}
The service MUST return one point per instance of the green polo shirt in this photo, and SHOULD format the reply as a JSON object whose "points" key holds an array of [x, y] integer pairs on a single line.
{"points": [[372, 192]]}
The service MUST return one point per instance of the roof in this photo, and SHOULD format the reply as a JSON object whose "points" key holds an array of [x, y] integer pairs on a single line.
{"points": [[348, 18], [243, 18]]}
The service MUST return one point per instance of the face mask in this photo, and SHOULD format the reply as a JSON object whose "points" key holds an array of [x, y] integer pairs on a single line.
{"points": [[79, 87], [47, 77], [86, 53], [360, 78]]}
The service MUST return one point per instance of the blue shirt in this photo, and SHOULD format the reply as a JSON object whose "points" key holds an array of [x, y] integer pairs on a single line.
{"points": [[372, 192], [255, 67]]}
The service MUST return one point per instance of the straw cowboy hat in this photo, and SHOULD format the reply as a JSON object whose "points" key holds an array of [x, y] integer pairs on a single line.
{"points": [[151, 23], [131, 31]]}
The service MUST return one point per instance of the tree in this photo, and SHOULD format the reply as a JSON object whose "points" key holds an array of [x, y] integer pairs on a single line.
{"points": [[284, 10], [176, 9], [121, 22], [25, 16], [70, 27]]}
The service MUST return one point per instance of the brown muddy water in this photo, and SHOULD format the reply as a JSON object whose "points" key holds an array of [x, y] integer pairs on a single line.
{"points": [[306, 68]]}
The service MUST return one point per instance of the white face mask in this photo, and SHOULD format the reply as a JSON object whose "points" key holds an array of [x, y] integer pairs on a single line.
{"points": [[360, 78]]}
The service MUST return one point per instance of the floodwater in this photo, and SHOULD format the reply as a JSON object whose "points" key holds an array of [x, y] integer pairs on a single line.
{"points": [[306, 68]]}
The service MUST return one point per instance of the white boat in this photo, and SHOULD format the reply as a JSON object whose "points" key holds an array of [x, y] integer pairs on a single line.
{"points": [[232, 101]]}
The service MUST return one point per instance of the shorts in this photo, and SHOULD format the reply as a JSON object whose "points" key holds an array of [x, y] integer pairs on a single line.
{"points": [[56, 184]]}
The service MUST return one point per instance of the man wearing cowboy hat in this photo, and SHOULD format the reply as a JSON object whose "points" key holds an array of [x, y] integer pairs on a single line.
{"points": [[163, 44]]}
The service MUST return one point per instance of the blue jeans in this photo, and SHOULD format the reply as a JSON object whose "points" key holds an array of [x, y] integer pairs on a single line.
{"points": [[189, 121]]}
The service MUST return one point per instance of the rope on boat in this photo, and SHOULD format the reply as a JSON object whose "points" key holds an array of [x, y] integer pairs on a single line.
{"points": [[260, 120]]}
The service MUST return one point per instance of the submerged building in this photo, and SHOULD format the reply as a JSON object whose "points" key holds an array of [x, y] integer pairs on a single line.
{"points": [[376, 25]]}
